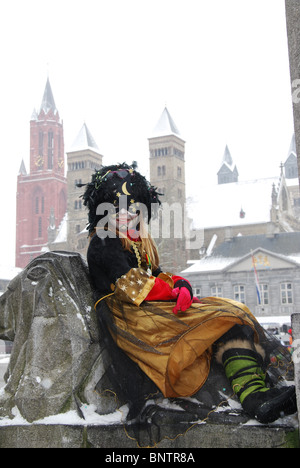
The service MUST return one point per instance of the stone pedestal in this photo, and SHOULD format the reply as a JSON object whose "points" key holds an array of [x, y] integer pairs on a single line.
{"points": [[114, 437]]}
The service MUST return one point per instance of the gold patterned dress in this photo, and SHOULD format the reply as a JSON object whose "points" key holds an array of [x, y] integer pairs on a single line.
{"points": [[173, 350]]}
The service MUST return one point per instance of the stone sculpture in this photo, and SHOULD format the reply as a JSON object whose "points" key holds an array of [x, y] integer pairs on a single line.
{"points": [[58, 361]]}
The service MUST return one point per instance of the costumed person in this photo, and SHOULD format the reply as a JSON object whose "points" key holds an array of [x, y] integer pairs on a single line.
{"points": [[158, 335]]}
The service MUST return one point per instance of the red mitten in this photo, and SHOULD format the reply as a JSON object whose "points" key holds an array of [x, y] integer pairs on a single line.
{"points": [[184, 300]]}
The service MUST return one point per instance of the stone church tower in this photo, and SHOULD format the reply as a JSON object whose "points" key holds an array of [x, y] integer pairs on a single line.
{"points": [[167, 173], [83, 159], [167, 149], [41, 194]]}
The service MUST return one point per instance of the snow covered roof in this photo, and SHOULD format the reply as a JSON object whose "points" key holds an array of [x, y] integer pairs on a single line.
{"points": [[83, 141], [283, 245], [221, 205], [165, 126], [209, 264]]}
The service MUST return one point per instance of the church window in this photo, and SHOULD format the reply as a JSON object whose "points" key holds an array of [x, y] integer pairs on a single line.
{"points": [[36, 205], [163, 170], [158, 170], [40, 227], [41, 143], [50, 149], [179, 172], [77, 204], [58, 146], [43, 204]]}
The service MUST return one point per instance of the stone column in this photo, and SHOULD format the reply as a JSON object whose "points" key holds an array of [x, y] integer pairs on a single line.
{"points": [[296, 355], [293, 32]]}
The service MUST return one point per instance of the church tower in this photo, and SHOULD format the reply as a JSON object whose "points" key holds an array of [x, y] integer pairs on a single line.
{"points": [[167, 173], [228, 172], [41, 194], [167, 149], [83, 158]]}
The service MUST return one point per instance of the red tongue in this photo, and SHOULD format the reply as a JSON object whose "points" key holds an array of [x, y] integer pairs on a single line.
{"points": [[133, 235]]}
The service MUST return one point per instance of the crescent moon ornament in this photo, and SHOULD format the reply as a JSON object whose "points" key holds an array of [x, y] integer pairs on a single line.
{"points": [[124, 189]]}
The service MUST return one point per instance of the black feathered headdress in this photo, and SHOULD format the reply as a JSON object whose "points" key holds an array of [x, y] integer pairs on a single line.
{"points": [[110, 182]]}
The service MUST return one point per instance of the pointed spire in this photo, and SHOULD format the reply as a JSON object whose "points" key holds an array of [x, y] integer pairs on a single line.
{"points": [[292, 149], [22, 169], [48, 99], [165, 126], [34, 115], [84, 140], [228, 171], [227, 158]]}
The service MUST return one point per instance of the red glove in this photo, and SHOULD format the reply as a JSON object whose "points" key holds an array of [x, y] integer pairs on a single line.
{"points": [[184, 299]]}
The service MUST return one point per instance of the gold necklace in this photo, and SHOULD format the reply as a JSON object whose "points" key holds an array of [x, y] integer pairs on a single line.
{"points": [[137, 253], [139, 260]]}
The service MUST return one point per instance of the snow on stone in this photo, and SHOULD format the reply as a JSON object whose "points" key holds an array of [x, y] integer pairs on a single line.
{"points": [[62, 230], [71, 418]]}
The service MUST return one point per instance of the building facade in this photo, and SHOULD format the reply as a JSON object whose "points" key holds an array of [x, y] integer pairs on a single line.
{"points": [[229, 271], [41, 193]]}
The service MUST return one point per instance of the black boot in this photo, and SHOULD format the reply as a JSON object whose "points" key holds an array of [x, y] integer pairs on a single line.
{"points": [[243, 368], [268, 406]]}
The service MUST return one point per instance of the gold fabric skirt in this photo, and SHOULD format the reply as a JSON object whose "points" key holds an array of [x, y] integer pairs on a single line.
{"points": [[175, 350]]}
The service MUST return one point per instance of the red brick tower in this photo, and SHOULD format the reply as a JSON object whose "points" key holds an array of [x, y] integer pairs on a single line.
{"points": [[41, 194]]}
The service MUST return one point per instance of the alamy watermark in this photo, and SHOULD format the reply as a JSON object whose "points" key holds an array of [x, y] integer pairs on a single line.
{"points": [[170, 221]]}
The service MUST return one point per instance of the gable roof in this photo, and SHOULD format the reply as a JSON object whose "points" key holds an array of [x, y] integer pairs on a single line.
{"points": [[285, 243], [266, 253], [284, 246]]}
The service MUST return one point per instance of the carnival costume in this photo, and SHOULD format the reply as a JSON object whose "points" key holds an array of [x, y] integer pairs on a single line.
{"points": [[154, 319]]}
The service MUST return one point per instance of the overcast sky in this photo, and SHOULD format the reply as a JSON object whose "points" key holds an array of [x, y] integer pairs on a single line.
{"points": [[221, 68]]}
